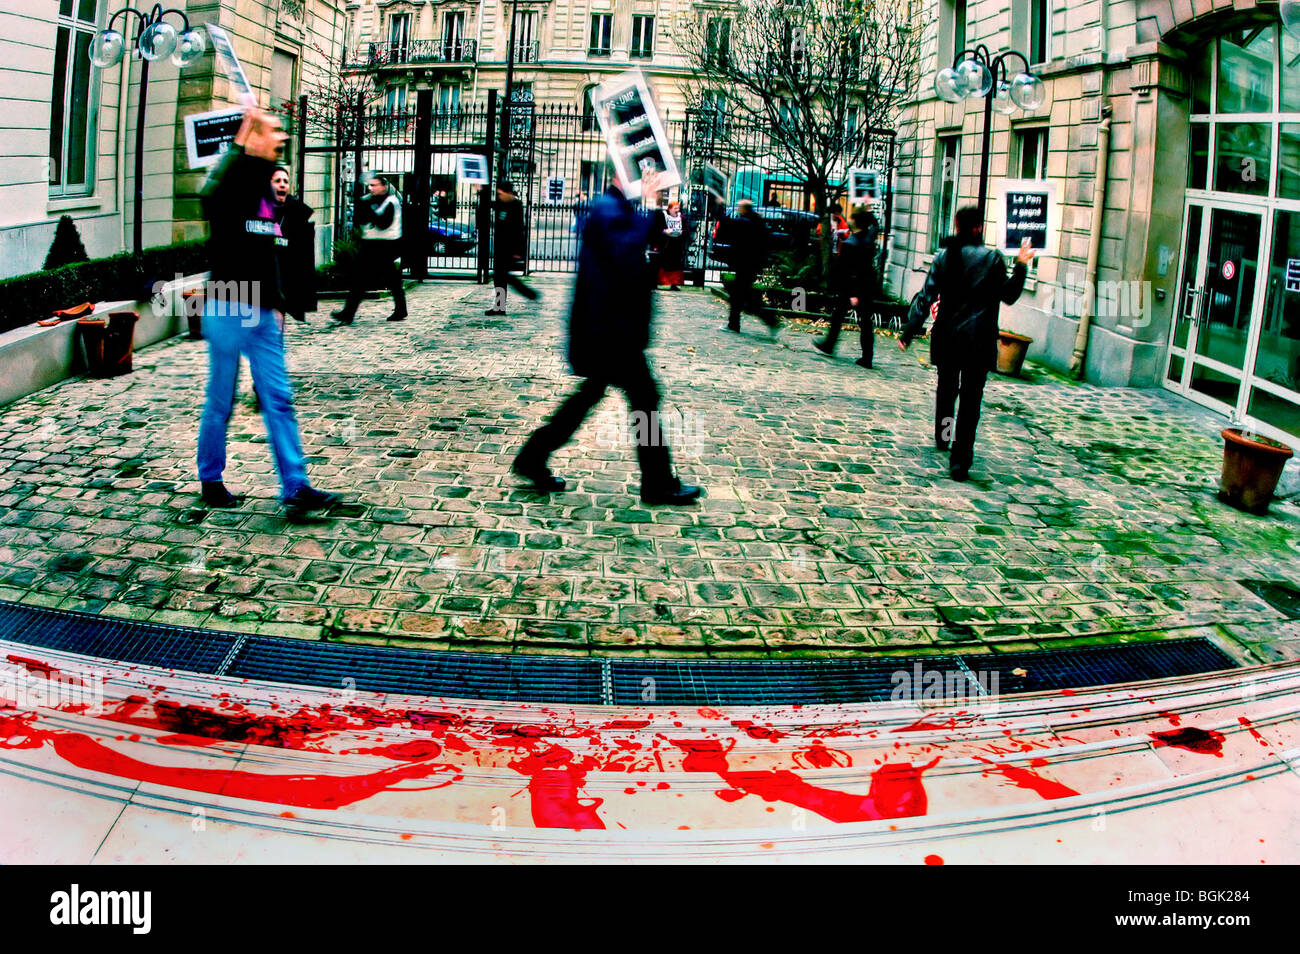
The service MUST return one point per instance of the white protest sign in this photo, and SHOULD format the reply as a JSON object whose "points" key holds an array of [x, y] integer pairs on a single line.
{"points": [[209, 135], [864, 185], [633, 131], [224, 48], [471, 168]]}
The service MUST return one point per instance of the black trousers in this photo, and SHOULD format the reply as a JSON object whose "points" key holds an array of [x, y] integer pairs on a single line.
{"points": [[741, 293], [638, 385], [954, 423], [866, 325], [503, 279], [375, 267]]}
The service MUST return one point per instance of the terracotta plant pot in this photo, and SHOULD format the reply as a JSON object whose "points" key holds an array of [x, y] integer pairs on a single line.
{"points": [[107, 343], [1011, 352], [1252, 467]]}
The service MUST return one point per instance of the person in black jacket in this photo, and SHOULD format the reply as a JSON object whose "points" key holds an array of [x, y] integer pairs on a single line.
{"points": [[378, 214], [609, 330], [672, 233], [241, 315], [747, 240], [508, 245], [855, 284], [297, 247], [969, 282]]}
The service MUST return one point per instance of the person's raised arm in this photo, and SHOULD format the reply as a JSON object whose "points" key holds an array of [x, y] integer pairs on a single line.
{"points": [[1014, 285]]}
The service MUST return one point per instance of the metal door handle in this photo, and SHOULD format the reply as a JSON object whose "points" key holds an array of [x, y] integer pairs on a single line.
{"points": [[1191, 294]]}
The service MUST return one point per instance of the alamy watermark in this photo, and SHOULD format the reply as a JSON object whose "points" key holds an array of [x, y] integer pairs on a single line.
{"points": [[961, 686], [233, 299], [1129, 301], [27, 684], [671, 427]]}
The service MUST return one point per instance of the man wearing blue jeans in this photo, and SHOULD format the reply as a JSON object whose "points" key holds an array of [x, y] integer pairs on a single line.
{"points": [[241, 315]]}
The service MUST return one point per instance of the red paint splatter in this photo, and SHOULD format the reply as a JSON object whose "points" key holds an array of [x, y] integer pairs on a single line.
{"points": [[416, 751], [760, 732], [933, 860], [896, 790], [1023, 778], [1253, 731], [1193, 740], [625, 725], [1174, 718], [34, 666], [553, 782]]}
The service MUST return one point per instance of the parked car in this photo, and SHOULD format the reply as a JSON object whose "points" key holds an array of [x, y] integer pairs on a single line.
{"points": [[788, 229], [451, 238]]}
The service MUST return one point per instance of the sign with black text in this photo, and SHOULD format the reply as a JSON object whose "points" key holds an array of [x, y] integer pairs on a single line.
{"points": [[633, 132], [209, 135], [224, 48], [712, 180], [472, 168], [1028, 209], [864, 186]]}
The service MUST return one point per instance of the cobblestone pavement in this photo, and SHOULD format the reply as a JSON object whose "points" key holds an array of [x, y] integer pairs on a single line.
{"points": [[830, 525]]}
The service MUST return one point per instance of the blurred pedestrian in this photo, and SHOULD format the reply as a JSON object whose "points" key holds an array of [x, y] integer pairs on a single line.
{"points": [[671, 236], [855, 285], [609, 331], [747, 243], [378, 214], [508, 245], [970, 283], [241, 314]]}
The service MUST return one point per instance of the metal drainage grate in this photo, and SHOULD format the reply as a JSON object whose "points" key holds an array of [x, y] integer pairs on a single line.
{"points": [[585, 680]]}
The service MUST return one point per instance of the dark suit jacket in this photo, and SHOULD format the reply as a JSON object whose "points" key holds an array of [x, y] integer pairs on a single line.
{"points": [[971, 283]]}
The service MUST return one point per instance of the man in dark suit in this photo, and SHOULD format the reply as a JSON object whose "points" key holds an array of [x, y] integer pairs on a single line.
{"points": [[969, 282], [855, 284], [609, 331], [747, 241]]}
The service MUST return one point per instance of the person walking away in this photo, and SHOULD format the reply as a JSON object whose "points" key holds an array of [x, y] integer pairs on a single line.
{"points": [[855, 284], [970, 283], [378, 214], [241, 316], [296, 248], [508, 247], [747, 240], [609, 331], [671, 236]]}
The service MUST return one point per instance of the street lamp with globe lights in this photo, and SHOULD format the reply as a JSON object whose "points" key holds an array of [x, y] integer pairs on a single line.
{"points": [[155, 39], [980, 75]]}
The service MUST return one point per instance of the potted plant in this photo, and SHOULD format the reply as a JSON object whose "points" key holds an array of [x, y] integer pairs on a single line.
{"points": [[1252, 466], [107, 343], [1011, 352]]}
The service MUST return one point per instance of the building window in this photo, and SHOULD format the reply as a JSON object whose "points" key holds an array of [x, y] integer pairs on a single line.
{"points": [[399, 37], [713, 113], [947, 168], [588, 111], [448, 116], [852, 119], [602, 34], [1033, 153], [526, 37], [72, 112], [1040, 29], [453, 36], [643, 36], [952, 30], [717, 41]]}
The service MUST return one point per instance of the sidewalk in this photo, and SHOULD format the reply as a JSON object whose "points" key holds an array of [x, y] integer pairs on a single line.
{"points": [[830, 525]]}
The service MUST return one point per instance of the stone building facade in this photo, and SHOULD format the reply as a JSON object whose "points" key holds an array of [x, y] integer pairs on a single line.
{"points": [[67, 131], [1194, 107]]}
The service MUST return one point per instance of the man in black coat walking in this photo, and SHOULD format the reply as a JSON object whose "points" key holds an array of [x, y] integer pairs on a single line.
{"points": [[508, 245], [609, 330], [747, 241], [855, 284], [970, 282]]}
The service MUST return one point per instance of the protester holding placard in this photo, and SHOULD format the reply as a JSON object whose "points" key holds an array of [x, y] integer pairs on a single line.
{"points": [[241, 316], [671, 236], [970, 283]]}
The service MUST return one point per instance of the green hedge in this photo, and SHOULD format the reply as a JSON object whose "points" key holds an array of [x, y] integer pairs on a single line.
{"points": [[28, 298]]}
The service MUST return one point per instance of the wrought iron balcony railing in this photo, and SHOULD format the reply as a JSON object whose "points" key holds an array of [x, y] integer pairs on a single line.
{"points": [[527, 52], [397, 53]]}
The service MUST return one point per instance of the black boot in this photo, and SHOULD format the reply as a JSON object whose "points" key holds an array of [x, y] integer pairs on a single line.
{"points": [[215, 494], [538, 474]]}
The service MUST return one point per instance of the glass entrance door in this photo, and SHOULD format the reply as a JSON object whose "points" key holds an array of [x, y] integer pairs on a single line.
{"points": [[1218, 290]]}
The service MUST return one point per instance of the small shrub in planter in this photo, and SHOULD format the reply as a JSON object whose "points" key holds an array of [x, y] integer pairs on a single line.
{"points": [[67, 247]]}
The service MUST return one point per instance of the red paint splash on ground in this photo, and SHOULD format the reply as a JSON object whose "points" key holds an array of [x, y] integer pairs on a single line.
{"points": [[1253, 731], [1205, 742], [760, 732], [554, 778], [896, 790], [933, 860], [35, 666], [1023, 778]]}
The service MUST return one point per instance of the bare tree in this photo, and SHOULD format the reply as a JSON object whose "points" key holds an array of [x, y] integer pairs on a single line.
{"points": [[332, 85], [823, 77]]}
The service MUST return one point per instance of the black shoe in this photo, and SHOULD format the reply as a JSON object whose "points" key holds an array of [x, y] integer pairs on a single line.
{"points": [[397, 316], [307, 499], [732, 328], [540, 476], [215, 494], [298, 316], [823, 347], [684, 494], [494, 312], [959, 474], [863, 362], [342, 317]]}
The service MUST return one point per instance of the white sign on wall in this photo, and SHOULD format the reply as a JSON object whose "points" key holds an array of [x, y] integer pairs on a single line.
{"points": [[1028, 209]]}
